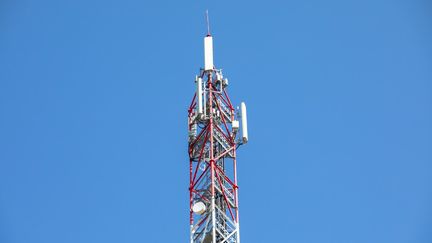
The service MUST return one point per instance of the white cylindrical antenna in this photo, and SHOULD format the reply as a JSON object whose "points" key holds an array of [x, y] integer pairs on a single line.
{"points": [[208, 53], [204, 102], [244, 122], [199, 95]]}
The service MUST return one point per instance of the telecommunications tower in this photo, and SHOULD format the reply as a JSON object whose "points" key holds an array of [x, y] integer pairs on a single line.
{"points": [[214, 135]]}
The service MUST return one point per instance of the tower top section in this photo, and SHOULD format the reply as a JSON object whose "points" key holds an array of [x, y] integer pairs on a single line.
{"points": [[208, 48], [215, 130]]}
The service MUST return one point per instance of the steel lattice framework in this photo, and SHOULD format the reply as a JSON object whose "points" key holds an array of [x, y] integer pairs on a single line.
{"points": [[212, 148]]}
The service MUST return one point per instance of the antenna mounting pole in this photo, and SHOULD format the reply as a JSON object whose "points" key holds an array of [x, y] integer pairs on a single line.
{"points": [[208, 23]]}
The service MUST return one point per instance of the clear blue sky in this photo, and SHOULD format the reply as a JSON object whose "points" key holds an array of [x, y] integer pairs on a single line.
{"points": [[93, 136]]}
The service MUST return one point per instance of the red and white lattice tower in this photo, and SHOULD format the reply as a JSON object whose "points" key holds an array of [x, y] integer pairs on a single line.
{"points": [[214, 135]]}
